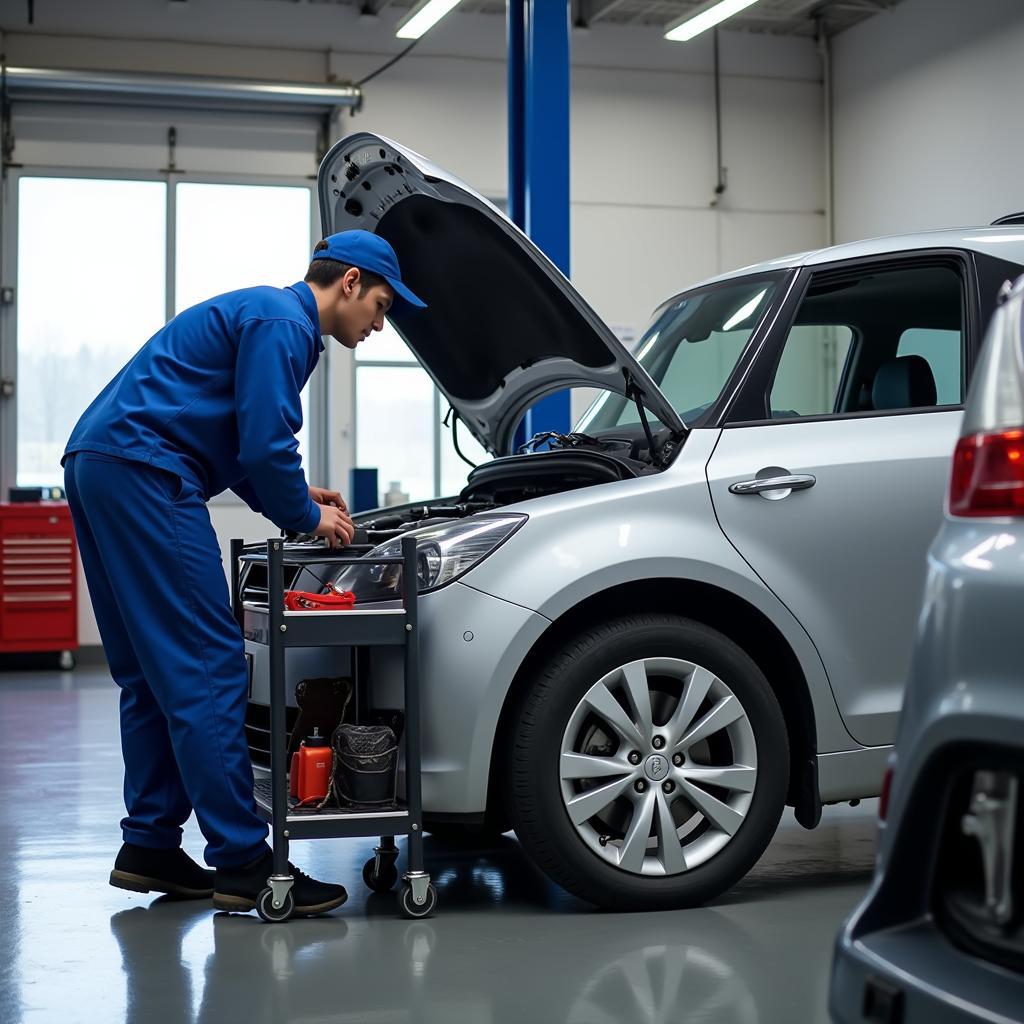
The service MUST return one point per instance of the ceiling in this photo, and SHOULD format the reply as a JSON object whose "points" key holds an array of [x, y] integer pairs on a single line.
{"points": [[781, 17]]}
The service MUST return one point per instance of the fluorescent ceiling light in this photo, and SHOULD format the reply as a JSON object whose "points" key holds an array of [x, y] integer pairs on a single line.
{"points": [[423, 17], [706, 17]]}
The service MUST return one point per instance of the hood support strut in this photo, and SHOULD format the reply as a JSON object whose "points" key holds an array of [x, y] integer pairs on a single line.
{"points": [[635, 394]]}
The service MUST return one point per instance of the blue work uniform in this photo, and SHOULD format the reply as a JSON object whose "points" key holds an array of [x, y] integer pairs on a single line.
{"points": [[210, 402]]}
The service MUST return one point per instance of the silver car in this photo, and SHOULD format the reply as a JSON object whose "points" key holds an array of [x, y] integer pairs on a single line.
{"points": [[643, 639], [940, 936]]}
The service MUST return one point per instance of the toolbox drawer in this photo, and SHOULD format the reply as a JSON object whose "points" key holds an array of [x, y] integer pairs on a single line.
{"points": [[29, 551], [48, 523], [38, 578], [50, 621]]}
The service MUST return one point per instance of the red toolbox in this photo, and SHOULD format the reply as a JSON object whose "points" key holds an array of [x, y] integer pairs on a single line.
{"points": [[38, 579]]}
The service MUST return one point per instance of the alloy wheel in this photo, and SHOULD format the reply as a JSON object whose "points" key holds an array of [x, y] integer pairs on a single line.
{"points": [[657, 767]]}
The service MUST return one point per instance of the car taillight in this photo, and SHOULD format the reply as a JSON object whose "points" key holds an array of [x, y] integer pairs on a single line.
{"points": [[883, 797], [988, 475]]}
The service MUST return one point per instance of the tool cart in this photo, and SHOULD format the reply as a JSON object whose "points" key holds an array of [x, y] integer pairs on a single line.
{"points": [[275, 627]]}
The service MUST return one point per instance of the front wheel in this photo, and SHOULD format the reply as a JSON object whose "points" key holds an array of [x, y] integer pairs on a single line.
{"points": [[649, 764]]}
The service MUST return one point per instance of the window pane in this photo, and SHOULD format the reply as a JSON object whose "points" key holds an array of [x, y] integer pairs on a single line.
{"points": [[69, 349], [395, 427], [942, 351], [690, 350], [237, 236], [385, 346], [697, 372], [902, 329], [807, 380]]}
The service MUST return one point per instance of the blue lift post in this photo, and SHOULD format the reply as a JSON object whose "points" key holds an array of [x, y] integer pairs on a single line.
{"points": [[538, 154]]}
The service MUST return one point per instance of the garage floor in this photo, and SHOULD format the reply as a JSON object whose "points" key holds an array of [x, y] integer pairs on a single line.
{"points": [[505, 946]]}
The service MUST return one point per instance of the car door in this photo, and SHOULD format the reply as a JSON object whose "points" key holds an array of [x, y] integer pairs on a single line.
{"points": [[830, 474]]}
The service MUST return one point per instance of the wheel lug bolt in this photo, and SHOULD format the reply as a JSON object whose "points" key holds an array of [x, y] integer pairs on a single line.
{"points": [[668, 786], [634, 757], [640, 785], [677, 760], [658, 742]]}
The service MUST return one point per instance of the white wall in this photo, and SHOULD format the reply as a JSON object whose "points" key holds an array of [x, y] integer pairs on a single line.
{"points": [[642, 145], [927, 126]]}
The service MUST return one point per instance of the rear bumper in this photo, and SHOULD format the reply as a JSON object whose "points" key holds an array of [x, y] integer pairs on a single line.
{"points": [[927, 979], [896, 961]]}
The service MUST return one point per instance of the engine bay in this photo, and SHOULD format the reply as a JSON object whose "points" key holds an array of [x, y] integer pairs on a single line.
{"points": [[568, 462]]}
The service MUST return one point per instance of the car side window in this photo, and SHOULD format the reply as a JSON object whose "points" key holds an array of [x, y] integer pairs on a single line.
{"points": [[876, 339], [941, 350], [810, 371]]}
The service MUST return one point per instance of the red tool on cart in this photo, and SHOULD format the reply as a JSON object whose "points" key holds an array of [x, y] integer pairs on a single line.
{"points": [[334, 600]]}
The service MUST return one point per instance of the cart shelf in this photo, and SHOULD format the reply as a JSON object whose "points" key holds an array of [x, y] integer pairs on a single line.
{"points": [[356, 626], [335, 822]]}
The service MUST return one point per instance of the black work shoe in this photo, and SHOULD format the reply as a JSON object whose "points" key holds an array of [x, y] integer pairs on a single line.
{"points": [[238, 889], [141, 869]]}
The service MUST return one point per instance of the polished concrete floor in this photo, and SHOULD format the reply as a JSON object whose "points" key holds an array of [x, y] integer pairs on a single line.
{"points": [[505, 945]]}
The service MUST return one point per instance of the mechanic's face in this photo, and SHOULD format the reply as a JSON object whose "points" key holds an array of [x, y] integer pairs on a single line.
{"points": [[359, 312]]}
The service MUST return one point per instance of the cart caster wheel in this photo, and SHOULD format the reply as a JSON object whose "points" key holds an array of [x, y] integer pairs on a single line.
{"points": [[266, 909], [409, 909], [66, 661], [383, 880]]}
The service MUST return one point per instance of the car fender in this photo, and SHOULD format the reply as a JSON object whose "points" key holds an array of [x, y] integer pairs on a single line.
{"points": [[579, 544]]}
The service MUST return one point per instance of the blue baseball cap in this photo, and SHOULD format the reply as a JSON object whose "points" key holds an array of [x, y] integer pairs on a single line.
{"points": [[367, 251]]}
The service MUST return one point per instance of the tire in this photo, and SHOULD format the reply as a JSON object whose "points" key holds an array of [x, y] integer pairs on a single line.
{"points": [[722, 801]]}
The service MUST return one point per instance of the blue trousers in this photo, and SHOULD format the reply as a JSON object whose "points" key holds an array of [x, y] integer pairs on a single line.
{"points": [[156, 579]]}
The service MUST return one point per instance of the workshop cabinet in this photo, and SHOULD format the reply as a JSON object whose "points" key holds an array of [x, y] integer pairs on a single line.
{"points": [[38, 578]]}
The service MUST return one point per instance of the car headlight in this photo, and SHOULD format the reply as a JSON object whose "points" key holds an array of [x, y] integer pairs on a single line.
{"points": [[443, 554]]}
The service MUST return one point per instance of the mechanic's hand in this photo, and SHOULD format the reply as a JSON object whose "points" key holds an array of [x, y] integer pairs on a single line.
{"points": [[322, 496], [336, 525]]}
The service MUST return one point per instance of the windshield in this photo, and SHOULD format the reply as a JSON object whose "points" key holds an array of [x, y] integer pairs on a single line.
{"points": [[690, 349]]}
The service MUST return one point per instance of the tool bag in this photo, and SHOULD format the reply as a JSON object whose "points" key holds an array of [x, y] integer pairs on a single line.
{"points": [[323, 703], [365, 769]]}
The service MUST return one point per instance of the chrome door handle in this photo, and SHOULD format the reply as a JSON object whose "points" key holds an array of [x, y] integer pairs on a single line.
{"points": [[773, 483]]}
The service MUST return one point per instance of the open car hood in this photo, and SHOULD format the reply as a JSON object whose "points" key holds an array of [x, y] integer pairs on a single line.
{"points": [[504, 326]]}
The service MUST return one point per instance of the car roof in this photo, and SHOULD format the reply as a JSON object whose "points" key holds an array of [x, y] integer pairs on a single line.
{"points": [[1005, 243]]}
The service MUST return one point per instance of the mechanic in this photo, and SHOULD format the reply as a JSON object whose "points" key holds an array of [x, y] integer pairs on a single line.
{"points": [[210, 402]]}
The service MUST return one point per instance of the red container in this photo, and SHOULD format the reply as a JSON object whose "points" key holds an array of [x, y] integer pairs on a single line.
{"points": [[38, 577], [313, 774]]}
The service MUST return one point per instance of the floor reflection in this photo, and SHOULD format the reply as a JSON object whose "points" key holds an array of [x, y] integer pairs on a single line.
{"points": [[488, 956], [331, 969], [506, 944], [658, 983]]}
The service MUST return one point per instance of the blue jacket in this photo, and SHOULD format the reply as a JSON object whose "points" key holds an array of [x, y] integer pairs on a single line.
{"points": [[214, 397]]}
